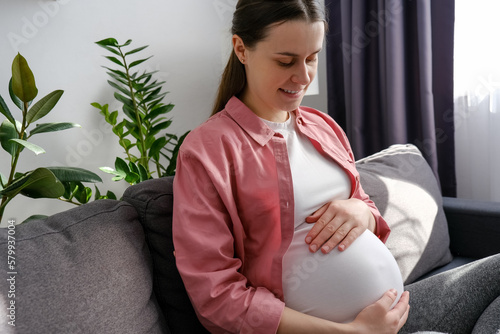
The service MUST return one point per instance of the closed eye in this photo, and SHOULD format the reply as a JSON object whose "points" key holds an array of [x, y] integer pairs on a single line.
{"points": [[286, 64]]}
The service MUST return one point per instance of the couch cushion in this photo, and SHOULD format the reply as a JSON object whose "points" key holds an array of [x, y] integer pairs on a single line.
{"points": [[153, 200], [85, 270], [406, 192]]}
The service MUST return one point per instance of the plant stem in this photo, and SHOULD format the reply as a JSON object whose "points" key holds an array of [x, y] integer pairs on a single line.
{"points": [[143, 160], [69, 201], [15, 159], [127, 151], [5, 201]]}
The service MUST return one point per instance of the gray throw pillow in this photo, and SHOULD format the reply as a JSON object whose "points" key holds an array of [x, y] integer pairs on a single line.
{"points": [[406, 192], [85, 270]]}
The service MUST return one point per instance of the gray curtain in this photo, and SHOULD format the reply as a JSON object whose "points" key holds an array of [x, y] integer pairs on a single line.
{"points": [[390, 77]]}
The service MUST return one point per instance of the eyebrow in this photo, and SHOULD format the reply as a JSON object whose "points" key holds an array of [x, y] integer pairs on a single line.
{"points": [[291, 54]]}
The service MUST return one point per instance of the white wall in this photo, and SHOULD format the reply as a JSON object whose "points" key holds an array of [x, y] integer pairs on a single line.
{"points": [[189, 40]]}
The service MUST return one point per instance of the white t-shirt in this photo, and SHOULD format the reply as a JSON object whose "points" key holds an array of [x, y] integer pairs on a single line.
{"points": [[338, 285]]}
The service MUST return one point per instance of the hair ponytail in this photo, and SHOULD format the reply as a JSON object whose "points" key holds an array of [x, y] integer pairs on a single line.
{"points": [[232, 82]]}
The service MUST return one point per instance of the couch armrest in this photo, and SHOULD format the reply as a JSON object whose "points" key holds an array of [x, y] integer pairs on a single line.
{"points": [[474, 227]]}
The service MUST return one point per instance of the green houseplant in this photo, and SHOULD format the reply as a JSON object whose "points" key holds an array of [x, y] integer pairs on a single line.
{"points": [[63, 183], [149, 151]]}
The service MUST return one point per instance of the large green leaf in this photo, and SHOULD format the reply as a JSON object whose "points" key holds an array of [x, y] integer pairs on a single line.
{"points": [[23, 81], [40, 183], [53, 127], [30, 146], [121, 166], [13, 96], [8, 132], [44, 106], [68, 174], [5, 110]]}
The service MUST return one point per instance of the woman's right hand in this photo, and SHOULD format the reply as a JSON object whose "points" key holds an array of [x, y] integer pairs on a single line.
{"points": [[379, 318]]}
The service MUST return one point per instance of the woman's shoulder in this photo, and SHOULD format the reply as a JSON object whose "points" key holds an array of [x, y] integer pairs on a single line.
{"points": [[210, 134]]}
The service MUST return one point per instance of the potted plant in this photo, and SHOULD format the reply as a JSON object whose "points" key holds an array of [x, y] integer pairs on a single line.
{"points": [[148, 150], [63, 183]]}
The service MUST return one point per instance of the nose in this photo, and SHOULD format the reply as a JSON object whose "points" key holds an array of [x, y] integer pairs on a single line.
{"points": [[302, 74]]}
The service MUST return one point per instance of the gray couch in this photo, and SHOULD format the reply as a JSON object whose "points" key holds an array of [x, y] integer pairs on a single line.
{"points": [[108, 266]]}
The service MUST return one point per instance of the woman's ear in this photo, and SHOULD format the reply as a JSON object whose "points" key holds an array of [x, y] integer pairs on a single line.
{"points": [[239, 48]]}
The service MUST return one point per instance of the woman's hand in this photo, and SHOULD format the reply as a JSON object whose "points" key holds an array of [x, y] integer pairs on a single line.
{"points": [[339, 223], [379, 318]]}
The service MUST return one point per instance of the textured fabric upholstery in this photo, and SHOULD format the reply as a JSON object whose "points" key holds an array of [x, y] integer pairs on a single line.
{"points": [[406, 192], [86, 270]]}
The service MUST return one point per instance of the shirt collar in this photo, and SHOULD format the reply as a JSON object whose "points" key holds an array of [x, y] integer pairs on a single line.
{"points": [[251, 123], [248, 121]]}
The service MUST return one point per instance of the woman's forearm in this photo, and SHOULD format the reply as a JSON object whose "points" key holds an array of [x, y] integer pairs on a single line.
{"points": [[293, 322]]}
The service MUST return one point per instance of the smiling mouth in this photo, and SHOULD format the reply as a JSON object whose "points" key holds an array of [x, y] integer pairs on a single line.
{"points": [[291, 91]]}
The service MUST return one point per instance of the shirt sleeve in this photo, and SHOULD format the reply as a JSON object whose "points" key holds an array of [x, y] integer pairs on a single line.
{"points": [[205, 257]]}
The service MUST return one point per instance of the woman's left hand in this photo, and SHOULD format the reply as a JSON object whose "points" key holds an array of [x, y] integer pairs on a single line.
{"points": [[339, 222]]}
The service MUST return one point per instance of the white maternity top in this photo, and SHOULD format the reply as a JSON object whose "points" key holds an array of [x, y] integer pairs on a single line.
{"points": [[338, 285]]}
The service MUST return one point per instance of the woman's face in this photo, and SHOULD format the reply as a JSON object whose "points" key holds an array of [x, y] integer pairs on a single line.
{"points": [[280, 68]]}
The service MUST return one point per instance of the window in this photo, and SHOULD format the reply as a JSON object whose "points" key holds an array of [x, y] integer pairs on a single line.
{"points": [[477, 98]]}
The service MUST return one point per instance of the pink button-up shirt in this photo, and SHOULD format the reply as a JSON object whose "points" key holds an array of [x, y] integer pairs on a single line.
{"points": [[233, 214]]}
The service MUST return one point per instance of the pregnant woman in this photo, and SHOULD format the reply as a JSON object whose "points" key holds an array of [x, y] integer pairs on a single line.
{"points": [[272, 230]]}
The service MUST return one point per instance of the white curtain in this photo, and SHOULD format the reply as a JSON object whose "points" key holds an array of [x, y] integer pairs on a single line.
{"points": [[477, 99]]}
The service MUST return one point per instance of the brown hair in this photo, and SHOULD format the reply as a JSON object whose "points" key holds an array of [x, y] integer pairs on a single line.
{"points": [[251, 22]]}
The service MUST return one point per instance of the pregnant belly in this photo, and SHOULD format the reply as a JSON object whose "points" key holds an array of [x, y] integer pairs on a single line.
{"points": [[338, 285]]}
